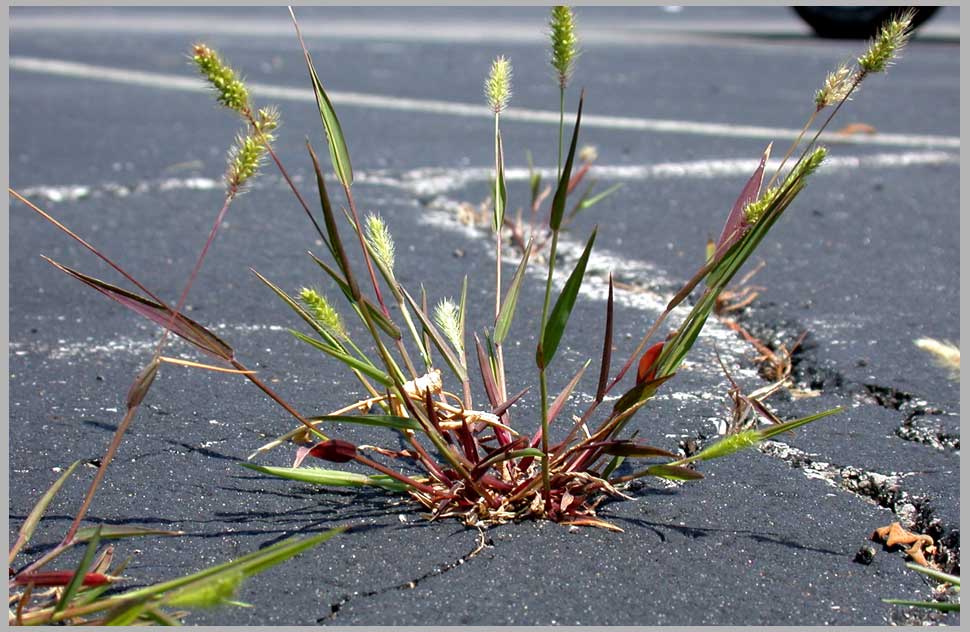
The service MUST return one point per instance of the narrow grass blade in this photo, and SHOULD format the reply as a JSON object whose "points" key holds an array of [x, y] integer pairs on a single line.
{"points": [[607, 346], [638, 393], [351, 361], [330, 478], [61, 578], [939, 576], [382, 421], [142, 383], [71, 590], [560, 401], [633, 450], [183, 327], [333, 232], [333, 450], [669, 472], [115, 532], [504, 321], [673, 472], [777, 429], [296, 307], [203, 366], [733, 443], [328, 116], [933, 605], [206, 593], [596, 199], [559, 316], [498, 219], [504, 406], [736, 220], [485, 363], [562, 190], [247, 566], [535, 179], [33, 518]]}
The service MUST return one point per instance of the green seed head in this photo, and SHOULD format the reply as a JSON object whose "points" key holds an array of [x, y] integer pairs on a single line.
{"points": [[565, 44], [498, 85], [888, 42], [729, 445], [794, 182], [245, 158], [446, 317], [754, 211], [230, 90], [837, 86], [380, 240], [267, 120], [323, 312]]}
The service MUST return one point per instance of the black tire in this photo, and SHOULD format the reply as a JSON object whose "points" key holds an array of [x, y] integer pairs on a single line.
{"points": [[855, 22]]}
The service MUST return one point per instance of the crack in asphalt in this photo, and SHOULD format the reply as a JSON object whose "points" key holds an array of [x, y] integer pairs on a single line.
{"points": [[915, 512], [483, 543]]}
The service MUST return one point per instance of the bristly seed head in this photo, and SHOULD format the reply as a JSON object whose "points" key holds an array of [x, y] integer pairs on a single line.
{"points": [[498, 85], [838, 84], [446, 317], [380, 240], [245, 158], [231, 91], [565, 44], [888, 42], [323, 312], [588, 153], [267, 120], [795, 180]]}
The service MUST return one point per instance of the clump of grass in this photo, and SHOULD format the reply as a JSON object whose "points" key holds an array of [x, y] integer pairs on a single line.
{"points": [[472, 461]]}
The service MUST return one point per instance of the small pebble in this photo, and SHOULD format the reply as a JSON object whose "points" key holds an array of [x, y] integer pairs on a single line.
{"points": [[865, 554]]}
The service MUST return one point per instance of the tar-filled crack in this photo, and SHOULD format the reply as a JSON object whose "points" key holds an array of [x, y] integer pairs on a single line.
{"points": [[913, 511], [809, 371], [483, 542]]}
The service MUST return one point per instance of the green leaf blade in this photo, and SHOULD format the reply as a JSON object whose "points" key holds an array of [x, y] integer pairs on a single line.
{"points": [[507, 311], [559, 316]]}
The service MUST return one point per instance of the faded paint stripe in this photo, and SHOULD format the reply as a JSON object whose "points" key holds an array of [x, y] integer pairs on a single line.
{"points": [[452, 108]]}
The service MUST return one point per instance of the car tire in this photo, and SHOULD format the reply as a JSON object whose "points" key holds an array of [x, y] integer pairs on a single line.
{"points": [[855, 22]]}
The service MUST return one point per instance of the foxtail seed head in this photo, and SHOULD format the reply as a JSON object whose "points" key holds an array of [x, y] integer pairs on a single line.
{"points": [[245, 158], [323, 312], [795, 180], [446, 317], [230, 90], [565, 44], [838, 84], [498, 85], [380, 240], [888, 42]]}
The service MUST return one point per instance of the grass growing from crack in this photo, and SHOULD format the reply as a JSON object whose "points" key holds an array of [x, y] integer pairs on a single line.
{"points": [[474, 463]]}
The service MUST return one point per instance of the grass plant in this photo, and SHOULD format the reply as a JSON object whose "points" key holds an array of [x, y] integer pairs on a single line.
{"points": [[417, 364]]}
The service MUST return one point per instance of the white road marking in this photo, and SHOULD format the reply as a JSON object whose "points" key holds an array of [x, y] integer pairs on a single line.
{"points": [[439, 180], [357, 99]]}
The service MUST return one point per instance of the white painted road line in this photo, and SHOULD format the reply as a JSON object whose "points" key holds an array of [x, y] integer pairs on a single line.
{"points": [[440, 180], [356, 99]]}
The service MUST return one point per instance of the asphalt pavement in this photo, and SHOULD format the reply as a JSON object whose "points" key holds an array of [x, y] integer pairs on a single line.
{"points": [[113, 134]]}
